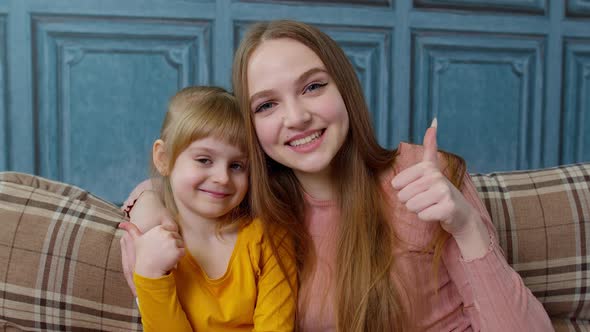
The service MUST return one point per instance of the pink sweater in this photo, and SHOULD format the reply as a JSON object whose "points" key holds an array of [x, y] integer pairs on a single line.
{"points": [[484, 294]]}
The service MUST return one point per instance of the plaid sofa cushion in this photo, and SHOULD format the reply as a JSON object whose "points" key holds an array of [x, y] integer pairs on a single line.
{"points": [[60, 262], [543, 223], [569, 325]]}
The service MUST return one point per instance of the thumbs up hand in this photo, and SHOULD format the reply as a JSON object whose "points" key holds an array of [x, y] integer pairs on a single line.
{"points": [[426, 191], [158, 250]]}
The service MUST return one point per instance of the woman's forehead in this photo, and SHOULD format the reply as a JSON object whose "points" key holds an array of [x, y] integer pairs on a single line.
{"points": [[278, 59], [269, 51]]}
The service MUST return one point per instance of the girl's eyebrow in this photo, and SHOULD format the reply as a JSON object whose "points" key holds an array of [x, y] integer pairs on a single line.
{"points": [[302, 78], [214, 151]]}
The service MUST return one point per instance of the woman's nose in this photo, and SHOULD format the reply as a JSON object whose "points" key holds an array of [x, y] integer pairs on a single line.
{"points": [[296, 116]]}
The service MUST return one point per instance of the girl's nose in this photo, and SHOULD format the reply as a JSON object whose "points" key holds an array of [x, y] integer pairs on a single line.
{"points": [[220, 175]]}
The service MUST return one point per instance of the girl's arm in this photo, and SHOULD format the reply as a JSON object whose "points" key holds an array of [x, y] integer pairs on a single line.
{"points": [[501, 301], [158, 251], [277, 301], [159, 305]]}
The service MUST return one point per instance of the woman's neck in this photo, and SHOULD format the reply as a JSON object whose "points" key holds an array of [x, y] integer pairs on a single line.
{"points": [[320, 185]]}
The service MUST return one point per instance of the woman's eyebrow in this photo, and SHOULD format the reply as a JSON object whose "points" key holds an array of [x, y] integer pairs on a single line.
{"points": [[302, 78], [305, 76], [260, 94]]}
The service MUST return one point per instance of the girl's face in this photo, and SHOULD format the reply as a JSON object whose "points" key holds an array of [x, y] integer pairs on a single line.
{"points": [[299, 115], [209, 178]]}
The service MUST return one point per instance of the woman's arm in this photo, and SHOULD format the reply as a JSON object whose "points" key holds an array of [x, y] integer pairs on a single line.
{"points": [[146, 211], [500, 299], [497, 299]]}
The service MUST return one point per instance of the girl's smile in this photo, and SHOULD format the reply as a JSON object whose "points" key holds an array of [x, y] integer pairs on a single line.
{"points": [[209, 178]]}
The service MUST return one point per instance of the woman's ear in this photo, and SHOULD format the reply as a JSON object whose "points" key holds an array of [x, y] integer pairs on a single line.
{"points": [[160, 157]]}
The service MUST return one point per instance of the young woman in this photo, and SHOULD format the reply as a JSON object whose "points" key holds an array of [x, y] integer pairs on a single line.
{"points": [[213, 268], [385, 240]]}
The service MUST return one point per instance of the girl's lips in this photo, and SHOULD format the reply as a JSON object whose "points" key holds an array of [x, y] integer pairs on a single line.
{"points": [[214, 193]]}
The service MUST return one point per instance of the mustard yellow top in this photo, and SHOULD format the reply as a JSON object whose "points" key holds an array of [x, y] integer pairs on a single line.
{"points": [[252, 295]]}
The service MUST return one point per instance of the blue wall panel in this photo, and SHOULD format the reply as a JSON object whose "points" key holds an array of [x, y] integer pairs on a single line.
{"points": [[4, 121], [487, 93], [576, 129], [92, 79], [84, 84], [369, 50]]}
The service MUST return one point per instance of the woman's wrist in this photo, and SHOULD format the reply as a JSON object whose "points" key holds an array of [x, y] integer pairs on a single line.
{"points": [[474, 241]]}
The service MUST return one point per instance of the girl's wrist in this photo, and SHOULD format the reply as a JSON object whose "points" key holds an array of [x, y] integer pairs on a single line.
{"points": [[148, 272]]}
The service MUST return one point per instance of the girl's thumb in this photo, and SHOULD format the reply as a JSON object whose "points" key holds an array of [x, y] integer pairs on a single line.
{"points": [[131, 229]]}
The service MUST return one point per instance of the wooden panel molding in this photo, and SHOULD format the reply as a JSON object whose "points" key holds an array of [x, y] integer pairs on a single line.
{"points": [[576, 108], [4, 120], [524, 6], [101, 89], [379, 3], [473, 82], [578, 8]]}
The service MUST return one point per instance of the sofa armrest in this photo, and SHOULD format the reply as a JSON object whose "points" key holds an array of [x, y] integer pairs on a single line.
{"points": [[60, 261]]}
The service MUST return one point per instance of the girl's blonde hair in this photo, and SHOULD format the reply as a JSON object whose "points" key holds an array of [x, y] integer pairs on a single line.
{"points": [[195, 113], [367, 298]]}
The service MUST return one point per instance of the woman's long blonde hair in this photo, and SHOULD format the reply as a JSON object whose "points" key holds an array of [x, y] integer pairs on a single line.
{"points": [[194, 113], [367, 298]]}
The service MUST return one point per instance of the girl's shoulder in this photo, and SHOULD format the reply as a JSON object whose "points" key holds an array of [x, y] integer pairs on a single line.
{"points": [[254, 229]]}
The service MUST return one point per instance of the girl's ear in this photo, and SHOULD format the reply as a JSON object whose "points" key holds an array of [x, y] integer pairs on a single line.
{"points": [[160, 158]]}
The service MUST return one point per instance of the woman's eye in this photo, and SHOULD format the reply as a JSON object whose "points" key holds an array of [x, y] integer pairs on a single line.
{"points": [[264, 107], [314, 86], [204, 161]]}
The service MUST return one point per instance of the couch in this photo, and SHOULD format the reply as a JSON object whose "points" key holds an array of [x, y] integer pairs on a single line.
{"points": [[60, 264]]}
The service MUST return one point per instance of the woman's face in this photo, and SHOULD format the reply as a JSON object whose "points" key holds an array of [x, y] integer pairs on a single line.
{"points": [[299, 115]]}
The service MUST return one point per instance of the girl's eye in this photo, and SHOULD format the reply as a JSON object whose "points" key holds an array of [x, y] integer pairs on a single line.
{"points": [[204, 161], [264, 107], [314, 86], [237, 166]]}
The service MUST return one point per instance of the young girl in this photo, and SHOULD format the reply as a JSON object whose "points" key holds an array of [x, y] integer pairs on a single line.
{"points": [[215, 268], [385, 240]]}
